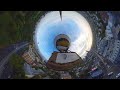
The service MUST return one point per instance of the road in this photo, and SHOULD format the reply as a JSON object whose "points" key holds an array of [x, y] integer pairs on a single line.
{"points": [[107, 66], [6, 59]]}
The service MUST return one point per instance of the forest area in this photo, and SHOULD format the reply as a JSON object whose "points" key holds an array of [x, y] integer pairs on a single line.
{"points": [[16, 26]]}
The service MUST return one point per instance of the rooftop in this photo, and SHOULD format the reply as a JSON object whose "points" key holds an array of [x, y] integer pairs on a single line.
{"points": [[57, 62]]}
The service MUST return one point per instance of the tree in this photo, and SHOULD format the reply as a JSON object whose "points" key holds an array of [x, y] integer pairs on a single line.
{"points": [[17, 63], [17, 26]]}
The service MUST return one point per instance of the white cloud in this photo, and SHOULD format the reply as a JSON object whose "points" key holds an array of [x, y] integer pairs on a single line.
{"points": [[82, 33]]}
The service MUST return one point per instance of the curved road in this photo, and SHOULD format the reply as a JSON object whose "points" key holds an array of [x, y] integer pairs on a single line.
{"points": [[6, 59]]}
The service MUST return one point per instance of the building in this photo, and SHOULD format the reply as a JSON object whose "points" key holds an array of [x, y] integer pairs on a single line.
{"points": [[104, 16], [117, 60], [115, 50], [31, 72], [27, 58], [102, 45], [65, 75], [63, 61], [30, 57], [116, 31], [119, 35], [108, 31]]}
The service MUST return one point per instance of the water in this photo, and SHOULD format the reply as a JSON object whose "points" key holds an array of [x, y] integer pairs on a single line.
{"points": [[73, 24]]}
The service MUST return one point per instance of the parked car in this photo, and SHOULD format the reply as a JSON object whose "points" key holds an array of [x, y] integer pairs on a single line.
{"points": [[95, 68], [111, 73], [97, 74], [118, 75]]}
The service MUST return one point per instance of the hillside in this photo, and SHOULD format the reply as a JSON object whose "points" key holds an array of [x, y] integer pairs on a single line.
{"points": [[17, 26]]}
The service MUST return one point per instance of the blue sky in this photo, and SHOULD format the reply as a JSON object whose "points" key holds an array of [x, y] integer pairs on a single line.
{"points": [[72, 26], [67, 27]]}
